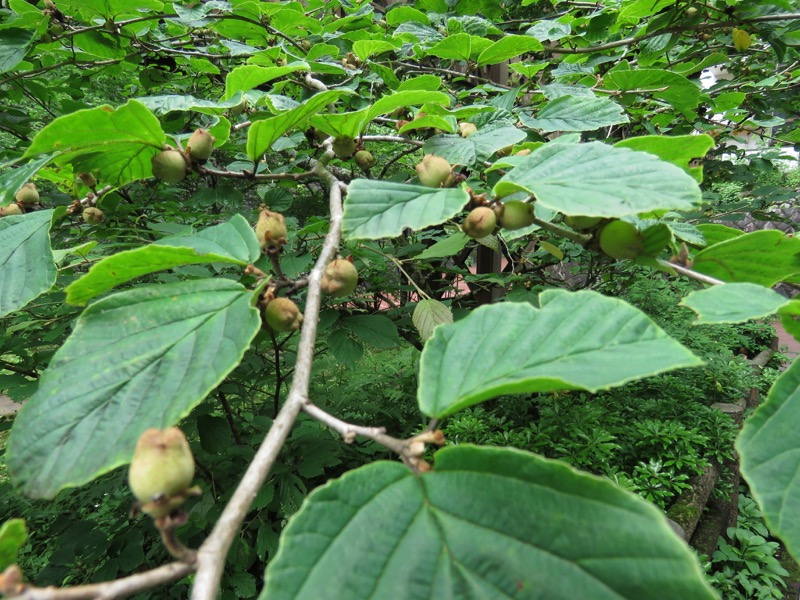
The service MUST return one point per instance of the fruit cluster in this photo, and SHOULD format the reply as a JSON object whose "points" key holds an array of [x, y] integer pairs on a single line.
{"points": [[171, 165]]}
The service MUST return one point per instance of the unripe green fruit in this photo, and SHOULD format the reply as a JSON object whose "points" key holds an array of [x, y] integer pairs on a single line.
{"points": [[516, 215], [283, 315], [11, 209], [579, 223], [306, 45], [271, 229], [365, 160], [93, 216], [27, 194], [339, 278], [480, 222], [691, 11], [169, 166], [344, 147], [466, 129], [88, 180], [162, 467], [434, 171], [620, 239], [200, 145]]}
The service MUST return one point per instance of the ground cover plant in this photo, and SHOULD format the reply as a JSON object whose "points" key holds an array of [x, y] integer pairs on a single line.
{"points": [[267, 248]]}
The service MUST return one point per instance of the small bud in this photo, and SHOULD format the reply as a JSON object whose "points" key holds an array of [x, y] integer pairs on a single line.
{"points": [[434, 171], [88, 180], [271, 229], [169, 166], [200, 145], [93, 215], [27, 194], [161, 470], [283, 315], [480, 222], [339, 278], [364, 160]]}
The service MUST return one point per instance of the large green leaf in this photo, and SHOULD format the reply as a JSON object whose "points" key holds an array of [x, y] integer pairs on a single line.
{"points": [[734, 303], [246, 77], [675, 89], [763, 257], [13, 179], [485, 523], [14, 43], [407, 98], [116, 145], [598, 180], [507, 47], [455, 47], [580, 340], [137, 359], [232, 242], [769, 450], [680, 150], [262, 134], [576, 113], [378, 209], [27, 268]]}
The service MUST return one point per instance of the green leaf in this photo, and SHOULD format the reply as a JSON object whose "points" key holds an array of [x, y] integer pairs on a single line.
{"points": [[680, 150], [407, 98], [581, 340], [14, 44], [597, 180], [446, 247], [428, 314], [375, 330], [733, 303], [670, 87], [27, 268], [13, 535], [790, 318], [364, 49], [576, 113], [764, 257], [246, 77], [13, 179], [232, 242], [137, 359], [262, 134], [349, 124], [454, 47], [405, 14], [378, 209], [485, 523], [489, 140], [345, 349], [447, 124], [769, 451], [167, 103], [507, 47], [116, 145], [713, 233]]}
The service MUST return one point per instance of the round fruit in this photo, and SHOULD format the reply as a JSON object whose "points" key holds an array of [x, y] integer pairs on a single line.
{"points": [[339, 278], [691, 11], [365, 160], [620, 239], [344, 147], [162, 466], [27, 194], [88, 180], [283, 315], [271, 229], [93, 215], [480, 222], [11, 209], [169, 166], [467, 129], [200, 145], [580, 223], [434, 171], [516, 214]]}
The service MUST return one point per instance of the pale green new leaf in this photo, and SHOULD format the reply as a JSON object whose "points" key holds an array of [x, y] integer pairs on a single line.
{"points": [[769, 451], [576, 113], [407, 98], [447, 247], [428, 314], [670, 87], [484, 523], [232, 242], [507, 47], [246, 77], [114, 144], [454, 47], [763, 257], [363, 49], [680, 150], [598, 180], [580, 340], [27, 268], [137, 359], [734, 303], [378, 209]]}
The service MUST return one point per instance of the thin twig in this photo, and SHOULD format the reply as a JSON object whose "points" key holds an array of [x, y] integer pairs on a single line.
{"points": [[348, 431], [689, 273]]}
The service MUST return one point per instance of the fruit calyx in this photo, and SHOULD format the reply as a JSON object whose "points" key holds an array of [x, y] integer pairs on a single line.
{"points": [[339, 278]]}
